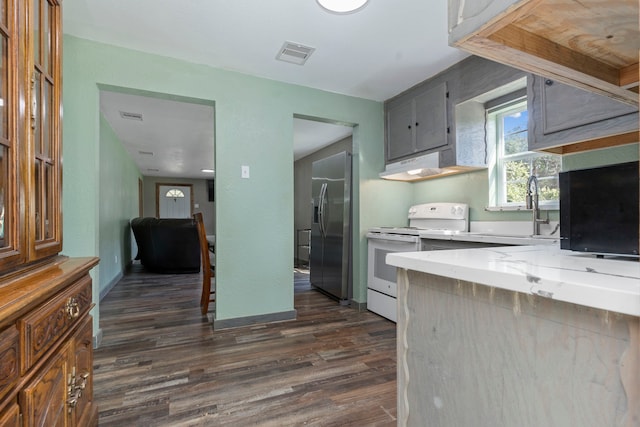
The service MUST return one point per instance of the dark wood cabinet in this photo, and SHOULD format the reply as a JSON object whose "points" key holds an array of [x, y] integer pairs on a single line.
{"points": [[43, 401], [30, 132], [46, 333], [10, 417], [61, 392], [47, 345]]}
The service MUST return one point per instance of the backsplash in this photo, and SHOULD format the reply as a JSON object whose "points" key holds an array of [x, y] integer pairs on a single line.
{"points": [[473, 187]]}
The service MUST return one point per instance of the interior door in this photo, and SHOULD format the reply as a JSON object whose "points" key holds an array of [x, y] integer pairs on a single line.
{"points": [[174, 201]]}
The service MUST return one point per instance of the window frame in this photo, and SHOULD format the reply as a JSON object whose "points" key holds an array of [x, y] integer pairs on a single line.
{"points": [[498, 179]]}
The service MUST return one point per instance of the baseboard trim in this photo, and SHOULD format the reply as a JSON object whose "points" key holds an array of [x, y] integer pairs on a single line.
{"points": [[97, 339], [110, 285], [252, 320], [359, 306]]}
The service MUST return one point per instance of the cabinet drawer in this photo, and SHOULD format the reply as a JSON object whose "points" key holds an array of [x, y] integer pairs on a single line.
{"points": [[382, 304], [41, 328], [9, 357]]}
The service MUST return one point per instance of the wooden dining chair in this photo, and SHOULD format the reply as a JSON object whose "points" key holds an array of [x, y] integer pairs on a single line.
{"points": [[208, 270]]}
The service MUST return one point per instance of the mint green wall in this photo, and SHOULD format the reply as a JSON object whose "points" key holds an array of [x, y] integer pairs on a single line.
{"points": [[595, 158], [473, 187], [253, 127], [118, 204]]}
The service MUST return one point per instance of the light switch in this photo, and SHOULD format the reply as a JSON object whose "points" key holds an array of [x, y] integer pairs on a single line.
{"points": [[244, 172]]}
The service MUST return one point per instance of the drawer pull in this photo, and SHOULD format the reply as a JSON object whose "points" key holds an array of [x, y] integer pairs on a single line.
{"points": [[72, 308]]}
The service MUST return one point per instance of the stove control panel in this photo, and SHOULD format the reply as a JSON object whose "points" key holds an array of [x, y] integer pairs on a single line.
{"points": [[446, 211]]}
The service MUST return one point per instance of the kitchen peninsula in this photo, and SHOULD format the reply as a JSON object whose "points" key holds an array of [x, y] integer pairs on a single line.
{"points": [[521, 335]]}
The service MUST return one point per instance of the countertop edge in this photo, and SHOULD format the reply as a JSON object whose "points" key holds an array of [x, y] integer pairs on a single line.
{"points": [[537, 271]]}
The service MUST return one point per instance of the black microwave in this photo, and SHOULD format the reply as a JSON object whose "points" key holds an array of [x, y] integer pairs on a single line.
{"points": [[599, 210]]}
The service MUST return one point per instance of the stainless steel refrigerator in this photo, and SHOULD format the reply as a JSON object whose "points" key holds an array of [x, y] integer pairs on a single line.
{"points": [[330, 257]]}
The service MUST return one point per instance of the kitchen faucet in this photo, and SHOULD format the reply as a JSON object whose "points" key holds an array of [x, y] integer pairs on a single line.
{"points": [[532, 203]]}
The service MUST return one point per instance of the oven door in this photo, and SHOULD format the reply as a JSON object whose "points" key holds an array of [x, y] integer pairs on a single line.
{"points": [[381, 277]]}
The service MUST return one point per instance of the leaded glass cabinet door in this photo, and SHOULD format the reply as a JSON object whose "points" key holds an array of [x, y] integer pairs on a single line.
{"points": [[12, 239], [45, 128]]}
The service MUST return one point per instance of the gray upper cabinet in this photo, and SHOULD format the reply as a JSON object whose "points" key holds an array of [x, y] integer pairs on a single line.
{"points": [[560, 114], [399, 130], [431, 118], [416, 123], [445, 113]]}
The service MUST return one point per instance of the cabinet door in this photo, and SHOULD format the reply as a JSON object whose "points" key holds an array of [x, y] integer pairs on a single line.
{"points": [[61, 393], [45, 131], [12, 236], [84, 411], [44, 400], [400, 130], [431, 118], [561, 114], [10, 417]]}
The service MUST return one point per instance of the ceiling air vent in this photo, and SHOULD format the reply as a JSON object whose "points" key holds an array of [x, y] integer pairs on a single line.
{"points": [[131, 116], [294, 53]]}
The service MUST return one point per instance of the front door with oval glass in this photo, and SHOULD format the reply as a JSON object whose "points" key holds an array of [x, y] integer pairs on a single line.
{"points": [[174, 201]]}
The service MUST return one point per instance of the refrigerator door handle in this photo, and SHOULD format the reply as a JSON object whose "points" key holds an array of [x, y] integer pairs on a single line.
{"points": [[322, 199]]}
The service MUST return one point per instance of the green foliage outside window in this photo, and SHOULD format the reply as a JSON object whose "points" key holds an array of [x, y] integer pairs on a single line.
{"points": [[545, 167], [518, 163]]}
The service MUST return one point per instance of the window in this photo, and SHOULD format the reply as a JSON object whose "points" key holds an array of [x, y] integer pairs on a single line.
{"points": [[515, 164], [174, 193]]}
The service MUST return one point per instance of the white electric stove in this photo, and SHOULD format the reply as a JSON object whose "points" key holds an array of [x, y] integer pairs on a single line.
{"points": [[424, 220]]}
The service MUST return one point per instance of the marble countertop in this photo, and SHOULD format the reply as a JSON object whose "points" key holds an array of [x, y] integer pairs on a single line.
{"points": [[504, 239], [546, 271]]}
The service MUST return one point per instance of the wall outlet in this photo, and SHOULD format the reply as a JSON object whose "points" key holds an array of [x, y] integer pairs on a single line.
{"points": [[244, 171]]}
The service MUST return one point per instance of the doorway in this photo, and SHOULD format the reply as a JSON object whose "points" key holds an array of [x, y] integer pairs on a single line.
{"points": [[314, 139], [174, 200]]}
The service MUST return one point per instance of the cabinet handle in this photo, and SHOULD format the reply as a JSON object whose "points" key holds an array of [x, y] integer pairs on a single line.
{"points": [[417, 124], [34, 101], [409, 127], [72, 397], [72, 308], [75, 388], [548, 82]]}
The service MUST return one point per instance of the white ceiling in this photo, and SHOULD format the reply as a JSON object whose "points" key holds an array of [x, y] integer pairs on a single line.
{"points": [[174, 138], [376, 53], [310, 136]]}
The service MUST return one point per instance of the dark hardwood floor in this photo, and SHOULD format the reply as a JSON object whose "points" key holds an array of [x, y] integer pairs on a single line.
{"points": [[161, 364]]}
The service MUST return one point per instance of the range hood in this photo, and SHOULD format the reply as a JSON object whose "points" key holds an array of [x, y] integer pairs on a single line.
{"points": [[416, 168]]}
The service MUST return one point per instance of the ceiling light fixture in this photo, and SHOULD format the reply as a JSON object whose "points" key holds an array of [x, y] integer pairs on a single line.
{"points": [[206, 170], [342, 6]]}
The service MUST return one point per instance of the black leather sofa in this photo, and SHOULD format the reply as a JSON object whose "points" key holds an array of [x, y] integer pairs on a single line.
{"points": [[167, 245]]}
